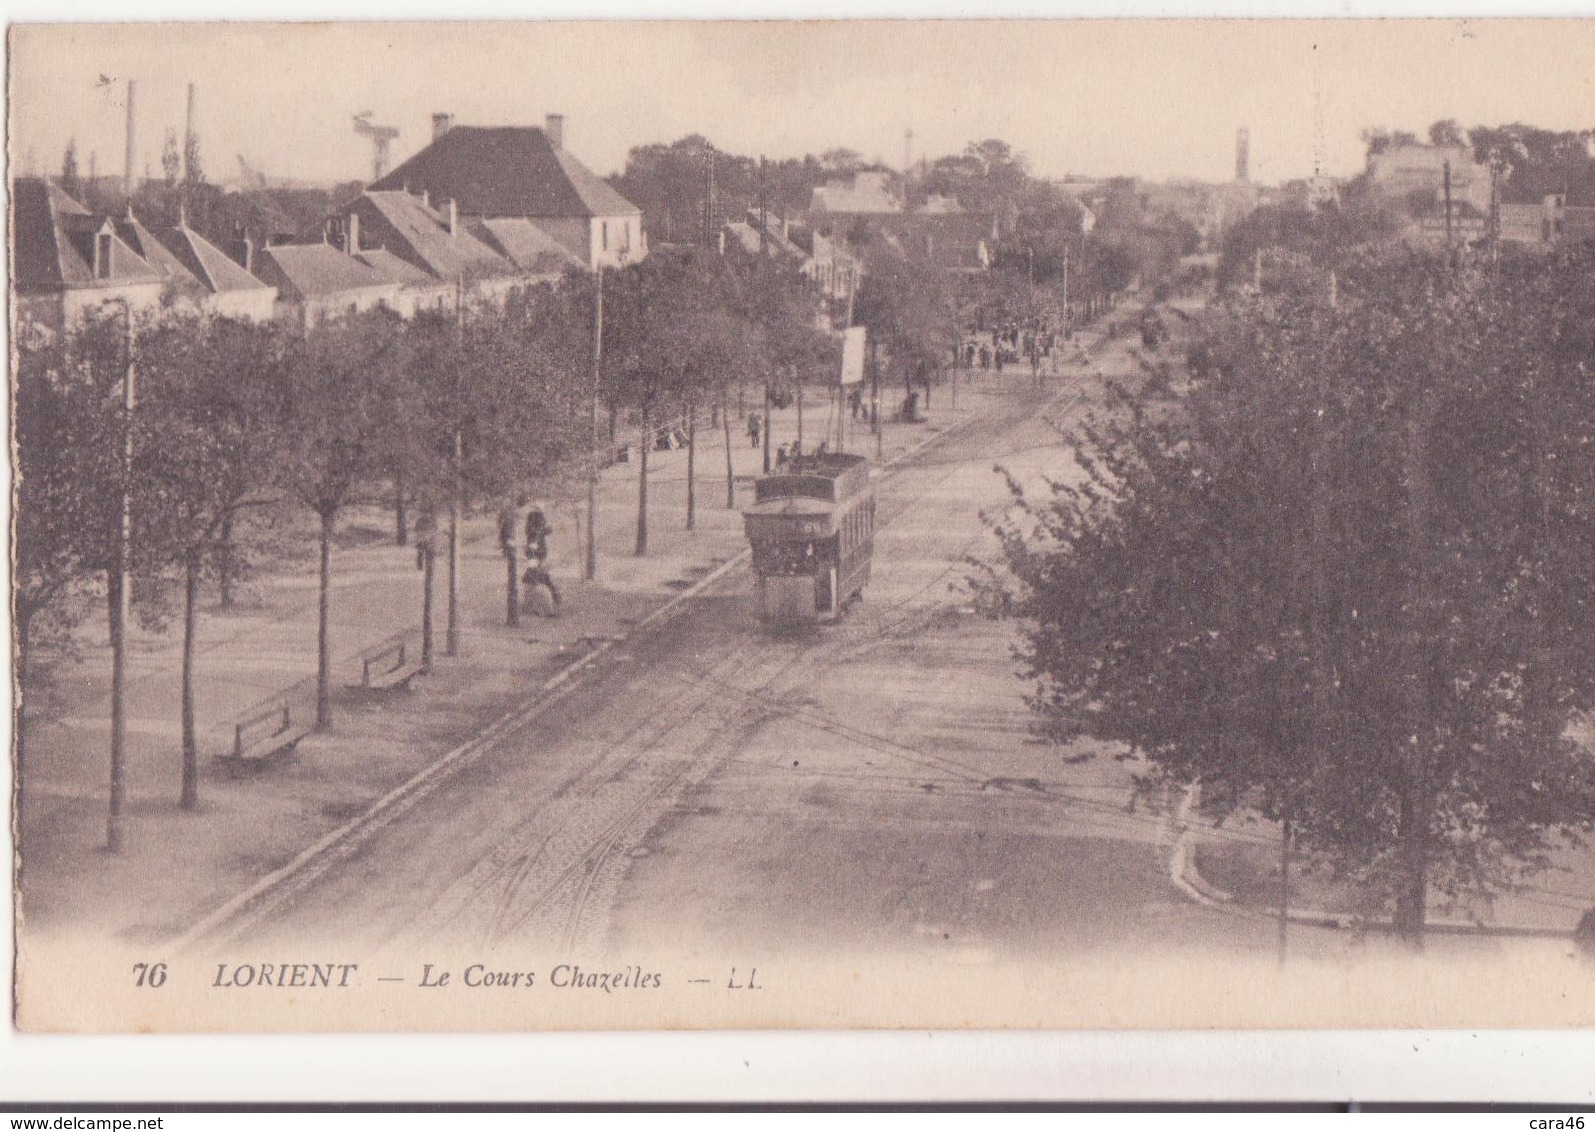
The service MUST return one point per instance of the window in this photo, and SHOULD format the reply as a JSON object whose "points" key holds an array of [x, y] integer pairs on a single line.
{"points": [[603, 229], [102, 256]]}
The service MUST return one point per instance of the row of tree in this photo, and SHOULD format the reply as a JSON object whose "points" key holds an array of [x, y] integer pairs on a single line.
{"points": [[238, 424], [1346, 580]]}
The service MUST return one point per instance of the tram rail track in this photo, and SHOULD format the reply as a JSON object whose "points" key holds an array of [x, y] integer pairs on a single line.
{"points": [[533, 873]]}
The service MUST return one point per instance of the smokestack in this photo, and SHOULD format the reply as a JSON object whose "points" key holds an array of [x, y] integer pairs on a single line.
{"points": [[454, 217], [188, 136], [353, 234], [554, 127], [441, 124], [1243, 155], [130, 171]]}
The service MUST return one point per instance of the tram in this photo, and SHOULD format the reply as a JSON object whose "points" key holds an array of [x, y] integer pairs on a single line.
{"points": [[812, 526]]}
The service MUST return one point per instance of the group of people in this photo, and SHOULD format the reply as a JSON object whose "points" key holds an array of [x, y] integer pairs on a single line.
{"points": [[536, 575], [988, 349]]}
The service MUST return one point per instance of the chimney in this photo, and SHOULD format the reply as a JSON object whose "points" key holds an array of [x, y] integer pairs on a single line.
{"points": [[352, 241], [130, 147], [441, 124], [454, 217], [426, 198], [554, 128]]}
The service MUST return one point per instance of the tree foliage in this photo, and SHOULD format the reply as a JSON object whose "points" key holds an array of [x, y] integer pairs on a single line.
{"points": [[1349, 579]]}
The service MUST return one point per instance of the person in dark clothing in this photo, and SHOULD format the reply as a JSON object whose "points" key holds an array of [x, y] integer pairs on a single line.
{"points": [[537, 530], [755, 425]]}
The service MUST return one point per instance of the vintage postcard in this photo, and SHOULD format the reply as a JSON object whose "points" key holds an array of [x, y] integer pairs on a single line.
{"points": [[802, 525]]}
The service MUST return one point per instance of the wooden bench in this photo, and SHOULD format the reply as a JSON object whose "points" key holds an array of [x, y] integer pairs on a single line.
{"points": [[253, 742], [386, 669]]}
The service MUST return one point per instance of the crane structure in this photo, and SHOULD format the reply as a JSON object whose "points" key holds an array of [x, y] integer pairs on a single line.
{"points": [[381, 138]]}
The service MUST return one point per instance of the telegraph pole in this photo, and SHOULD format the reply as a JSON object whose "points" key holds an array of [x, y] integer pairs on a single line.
{"points": [[120, 600], [452, 639]]}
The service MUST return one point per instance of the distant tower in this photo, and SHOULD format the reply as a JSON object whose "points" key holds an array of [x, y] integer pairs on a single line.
{"points": [[908, 152], [1243, 155]]}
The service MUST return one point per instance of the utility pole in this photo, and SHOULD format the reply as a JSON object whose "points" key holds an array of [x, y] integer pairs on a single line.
{"points": [[793, 373], [764, 220], [120, 599], [451, 645], [592, 420], [1065, 290], [1449, 247]]}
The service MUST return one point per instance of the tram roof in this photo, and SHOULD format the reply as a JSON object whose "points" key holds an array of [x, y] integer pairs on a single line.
{"points": [[794, 505]]}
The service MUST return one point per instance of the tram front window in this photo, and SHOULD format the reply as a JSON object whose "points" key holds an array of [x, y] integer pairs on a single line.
{"points": [[785, 558]]}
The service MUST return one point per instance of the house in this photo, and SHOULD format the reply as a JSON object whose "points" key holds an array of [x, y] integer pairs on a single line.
{"points": [[776, 241], [959, 244], [1401, 171], [497, 173], [199, 275], [316, 282], [867, 193], [429, 251], [68, 262]]}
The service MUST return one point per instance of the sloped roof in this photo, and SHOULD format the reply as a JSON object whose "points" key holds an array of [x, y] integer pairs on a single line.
{"points": [[54, 243], [183, 254], [35, 261], [392, 268], [501, 171], [310, 271], [747, 235], [527, 246], [420, 235]]}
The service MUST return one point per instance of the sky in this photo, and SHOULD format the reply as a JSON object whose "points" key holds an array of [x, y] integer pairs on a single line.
{"points": [[1155, 99]]}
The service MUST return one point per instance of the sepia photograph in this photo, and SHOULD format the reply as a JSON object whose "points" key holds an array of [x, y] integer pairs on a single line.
{"points": [[919, 524]]}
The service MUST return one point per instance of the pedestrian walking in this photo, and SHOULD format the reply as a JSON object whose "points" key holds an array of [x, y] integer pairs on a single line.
{"points": [[855, 402], [537, 530], [755, 426]]}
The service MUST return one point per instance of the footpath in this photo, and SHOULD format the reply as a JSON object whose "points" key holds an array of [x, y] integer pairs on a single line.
{"points": [[175, 865]]}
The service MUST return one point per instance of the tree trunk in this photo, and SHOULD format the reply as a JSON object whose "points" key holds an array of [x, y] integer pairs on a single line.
{"points": [[512, 604], [224, 562], [428, 555], [24, 624], [1422, 636], [189, 797], [642, 486], [324, 627], [401, 517], [1412, 899], [731, 475], [692, 464], [1284, 891], [456, 507]]}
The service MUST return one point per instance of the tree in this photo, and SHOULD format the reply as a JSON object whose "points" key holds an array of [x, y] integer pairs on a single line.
{"points": [[1446, 133], [910, 310], [66, 484], [70, 183], [212, 399], [1345, 581], [171, 160], [339, 414]]}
